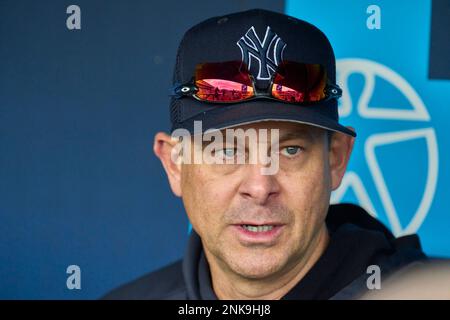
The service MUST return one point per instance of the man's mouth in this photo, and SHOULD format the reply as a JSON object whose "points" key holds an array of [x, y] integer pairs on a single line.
{"points": [[255, 228], [261, 233]]}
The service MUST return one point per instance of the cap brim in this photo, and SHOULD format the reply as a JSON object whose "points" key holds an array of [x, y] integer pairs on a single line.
{"points": [[221, 116]]}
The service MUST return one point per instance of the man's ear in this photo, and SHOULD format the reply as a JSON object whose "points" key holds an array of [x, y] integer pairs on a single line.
{"points": [[165, 148], [341, 147]]}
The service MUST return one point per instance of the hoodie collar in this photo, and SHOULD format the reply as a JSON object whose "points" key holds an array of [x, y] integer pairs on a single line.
{"points": [[196, 271]]}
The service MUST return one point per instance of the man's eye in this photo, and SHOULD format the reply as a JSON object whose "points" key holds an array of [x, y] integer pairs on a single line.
{"points": [[226, 153], [291, 151]]}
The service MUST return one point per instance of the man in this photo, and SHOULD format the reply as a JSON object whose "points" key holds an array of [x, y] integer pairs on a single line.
{"points": [[264, 234]]}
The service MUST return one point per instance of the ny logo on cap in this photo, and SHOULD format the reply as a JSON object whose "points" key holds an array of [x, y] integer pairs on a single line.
{"points": [[267, 53]]}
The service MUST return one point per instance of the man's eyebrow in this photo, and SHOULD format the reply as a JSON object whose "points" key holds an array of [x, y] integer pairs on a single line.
{"points": [[298, 134]]}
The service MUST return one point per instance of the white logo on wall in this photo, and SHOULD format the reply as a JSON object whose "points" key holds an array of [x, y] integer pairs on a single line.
{"points": [[370, 70]]}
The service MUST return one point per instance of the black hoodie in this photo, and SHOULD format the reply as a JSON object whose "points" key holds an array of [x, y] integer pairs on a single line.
{"points": [[357, 241]]}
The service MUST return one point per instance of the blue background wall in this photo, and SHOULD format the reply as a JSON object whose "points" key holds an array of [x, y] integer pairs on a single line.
{"points": [[399, 168], [79, 183]]}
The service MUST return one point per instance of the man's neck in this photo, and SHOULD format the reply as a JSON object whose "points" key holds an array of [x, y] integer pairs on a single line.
{"points": [[228, 285]]}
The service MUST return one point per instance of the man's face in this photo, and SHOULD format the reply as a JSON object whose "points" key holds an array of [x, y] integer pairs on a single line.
{"points": [[226, 202]]}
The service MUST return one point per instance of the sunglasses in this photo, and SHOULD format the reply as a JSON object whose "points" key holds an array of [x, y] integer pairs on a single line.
{"points": [[230, 82]]}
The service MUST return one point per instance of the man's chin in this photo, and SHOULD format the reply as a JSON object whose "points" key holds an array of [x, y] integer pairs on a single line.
{"points": [[257, 274], [255, 269]]}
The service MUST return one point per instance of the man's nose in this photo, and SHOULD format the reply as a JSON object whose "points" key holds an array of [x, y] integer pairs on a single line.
{"points": [[256, 186]]}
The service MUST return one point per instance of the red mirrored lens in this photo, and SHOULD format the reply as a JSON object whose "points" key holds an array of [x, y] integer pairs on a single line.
{"points": [[299, 82], [222, 90], [223, 81]]}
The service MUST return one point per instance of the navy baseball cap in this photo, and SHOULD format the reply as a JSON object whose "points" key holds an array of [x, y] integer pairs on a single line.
{"points": [[232, 37]]}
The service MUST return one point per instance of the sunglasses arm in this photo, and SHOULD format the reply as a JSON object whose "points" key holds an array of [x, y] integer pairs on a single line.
{"points": [[186, 89], [333, 91]]}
